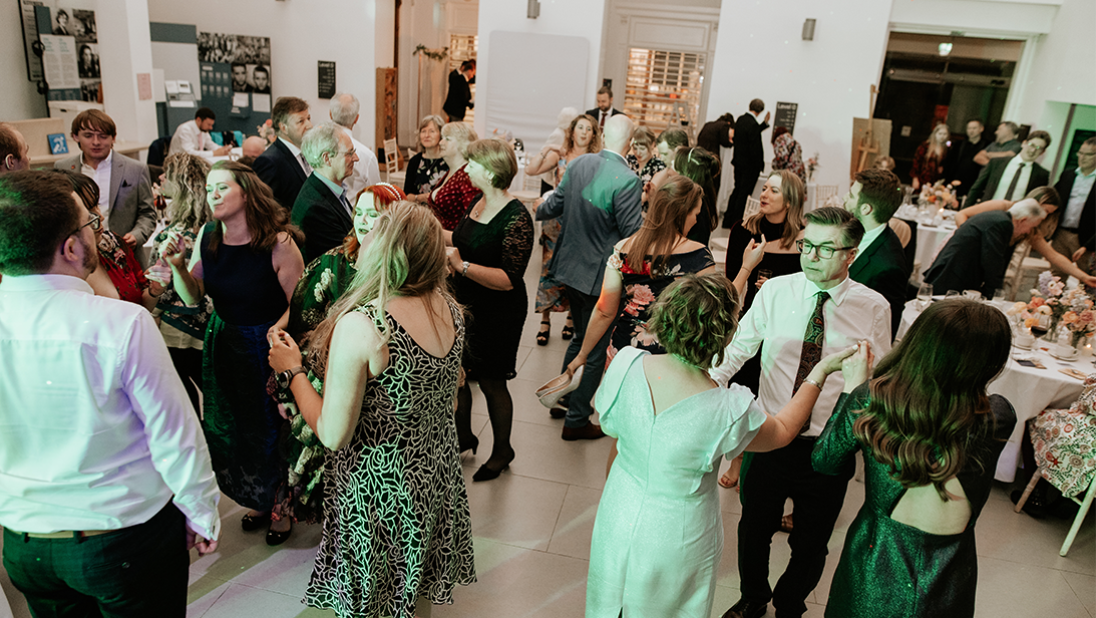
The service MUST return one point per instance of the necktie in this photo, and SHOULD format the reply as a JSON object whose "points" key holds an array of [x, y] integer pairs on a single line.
{"points": [[307, 167], [812, 347], [346, 203], [1015, 179], [601, 123]]}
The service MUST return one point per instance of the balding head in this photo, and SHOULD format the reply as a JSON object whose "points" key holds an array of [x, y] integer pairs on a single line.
{"points": [[14, 152], [618, 134], [253, 146]]}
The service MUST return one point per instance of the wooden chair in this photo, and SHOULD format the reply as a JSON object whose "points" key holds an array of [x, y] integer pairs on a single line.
{"points": [[1084, 502], [752, 206], [824, 192], [902, 230], [1021, 264], [391, 158]]}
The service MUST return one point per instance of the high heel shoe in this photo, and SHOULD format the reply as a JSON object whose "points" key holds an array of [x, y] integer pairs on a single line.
{"points": [[473, 445], [486, 473]]}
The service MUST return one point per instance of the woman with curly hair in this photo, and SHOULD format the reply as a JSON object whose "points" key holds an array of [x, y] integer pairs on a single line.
{"points": [[658, 534], [248, 262], [183, 327], [931, 436], [582, 137]]}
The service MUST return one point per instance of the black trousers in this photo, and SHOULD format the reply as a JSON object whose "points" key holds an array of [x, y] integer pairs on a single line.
{"points": [[139, 571], [767, 481], [579, 402], [188, 364], [744, 182]]}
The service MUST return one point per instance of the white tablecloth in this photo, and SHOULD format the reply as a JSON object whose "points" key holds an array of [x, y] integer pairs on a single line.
{"points": [[1030, 390]]}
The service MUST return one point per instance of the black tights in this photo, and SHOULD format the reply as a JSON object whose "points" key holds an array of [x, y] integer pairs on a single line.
{"points": [[188, 364], [500, 407]]}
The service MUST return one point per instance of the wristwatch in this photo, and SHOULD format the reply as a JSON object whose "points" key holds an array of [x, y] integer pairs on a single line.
{"points": [[286, 377], [464, 273]]}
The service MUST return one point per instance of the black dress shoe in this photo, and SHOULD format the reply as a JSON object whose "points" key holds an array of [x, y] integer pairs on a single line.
{"points": [[747, 609], [589, 431], [487, 473], [251, 522]]}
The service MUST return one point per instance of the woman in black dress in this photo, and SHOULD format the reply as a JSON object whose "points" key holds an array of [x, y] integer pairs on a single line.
{"points": [[492, 245], [779, 222], [931, 436], [427, 168]]}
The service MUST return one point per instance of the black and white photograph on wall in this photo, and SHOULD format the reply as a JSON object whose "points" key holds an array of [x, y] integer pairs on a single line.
{"points": [[248, 56], [83, 26], [61, 22], [90, 90], [88, 60]]}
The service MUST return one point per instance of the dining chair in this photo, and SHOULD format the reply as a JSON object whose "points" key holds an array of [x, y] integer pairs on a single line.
{"points": [[752, 206], [391, 158]]}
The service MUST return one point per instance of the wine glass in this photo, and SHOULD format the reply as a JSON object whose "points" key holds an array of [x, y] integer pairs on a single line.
{"points": [[924, 295]]}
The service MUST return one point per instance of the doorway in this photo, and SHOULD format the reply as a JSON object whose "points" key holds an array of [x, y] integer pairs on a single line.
{"points": [[951, 79]]}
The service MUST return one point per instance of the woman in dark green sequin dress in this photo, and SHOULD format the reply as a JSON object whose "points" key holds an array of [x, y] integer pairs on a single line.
{"points": [[931, 437]]}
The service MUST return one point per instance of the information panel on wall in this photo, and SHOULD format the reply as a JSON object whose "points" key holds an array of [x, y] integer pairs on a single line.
{"points": [[785, 115]]}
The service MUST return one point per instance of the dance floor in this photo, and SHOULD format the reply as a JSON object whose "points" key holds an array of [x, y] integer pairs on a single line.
{"points": [[532, 531]]}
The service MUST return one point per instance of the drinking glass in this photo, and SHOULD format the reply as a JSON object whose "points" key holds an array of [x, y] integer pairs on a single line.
{"points": [[924, 295]]}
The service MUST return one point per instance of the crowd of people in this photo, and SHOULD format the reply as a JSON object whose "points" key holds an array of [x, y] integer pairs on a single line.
{"points": [[302, 338]]}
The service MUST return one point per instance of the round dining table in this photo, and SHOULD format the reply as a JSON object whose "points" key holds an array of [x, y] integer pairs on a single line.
{"points": [[1030, 389]]}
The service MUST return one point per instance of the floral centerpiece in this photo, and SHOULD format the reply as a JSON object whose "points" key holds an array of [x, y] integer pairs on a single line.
{"points": [[812, 164], [1079, 318], [1072, 309], [939, 194]]}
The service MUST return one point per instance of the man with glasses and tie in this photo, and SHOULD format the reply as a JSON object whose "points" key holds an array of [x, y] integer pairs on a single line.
{"points": [[1013, 177], [324, 211], [800, 318], [282, 166]]}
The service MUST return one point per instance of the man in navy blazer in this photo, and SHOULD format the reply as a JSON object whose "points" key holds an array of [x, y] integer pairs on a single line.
{"points": [[748, 159], [282, 166], [880, 261], [323, 210], [598, 201], [1078, 193], [125, 187]]}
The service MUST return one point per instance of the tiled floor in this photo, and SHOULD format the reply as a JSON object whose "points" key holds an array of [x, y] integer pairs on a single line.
{"points": [[532, 531]]}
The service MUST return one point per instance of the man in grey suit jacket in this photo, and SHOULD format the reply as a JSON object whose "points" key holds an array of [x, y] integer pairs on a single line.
{"points": [[125, 188], [598, 201]]}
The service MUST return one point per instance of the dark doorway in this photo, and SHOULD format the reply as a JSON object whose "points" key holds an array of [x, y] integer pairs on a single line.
{"points": [[919, 87]]}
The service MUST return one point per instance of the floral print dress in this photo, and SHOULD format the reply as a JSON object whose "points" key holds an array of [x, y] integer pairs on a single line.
{"points": [[640, 291], [1063, 441]]}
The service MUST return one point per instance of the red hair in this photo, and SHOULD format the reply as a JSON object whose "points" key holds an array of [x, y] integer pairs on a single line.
{"points": [[384, 195]]}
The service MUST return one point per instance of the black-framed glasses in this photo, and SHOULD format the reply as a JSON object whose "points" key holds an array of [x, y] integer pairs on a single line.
{"points": [[95, 222], [824, 251]]}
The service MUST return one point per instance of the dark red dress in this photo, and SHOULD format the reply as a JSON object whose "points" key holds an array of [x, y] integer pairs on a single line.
{"points": [[454, 199]]}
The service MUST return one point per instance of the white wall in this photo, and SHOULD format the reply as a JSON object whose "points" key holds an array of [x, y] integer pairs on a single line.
{"points": [[300, 35], [579, 18], [19, 99], [828, 77], [125, 51]]}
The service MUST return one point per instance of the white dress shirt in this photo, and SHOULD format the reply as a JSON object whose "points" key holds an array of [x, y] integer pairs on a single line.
{"points": [[1075, 201], [1006, 179], [778, 318], [101, 176], [97, 430], [297, 155], [869, 238], [367, 171], [190, 139]]}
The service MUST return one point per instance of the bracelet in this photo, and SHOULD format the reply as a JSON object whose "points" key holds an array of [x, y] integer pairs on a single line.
{"points": [[748, 270], [815, 382]]}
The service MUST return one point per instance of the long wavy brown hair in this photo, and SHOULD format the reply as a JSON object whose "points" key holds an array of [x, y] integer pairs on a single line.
{"points": [[664, 226], [794, 192], [265, 216], [187, 174], [595, 140], [929, 393]]}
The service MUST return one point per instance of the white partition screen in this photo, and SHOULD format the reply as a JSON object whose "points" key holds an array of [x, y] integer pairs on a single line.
{"points": [[533, 76]]}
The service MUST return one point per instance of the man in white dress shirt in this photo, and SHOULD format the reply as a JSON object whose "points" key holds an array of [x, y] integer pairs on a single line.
{"points": [[192, 137], [367, 172], [780, 316], [105, 477]]}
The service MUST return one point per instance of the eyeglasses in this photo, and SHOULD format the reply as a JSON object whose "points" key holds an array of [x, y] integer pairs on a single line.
{"points": [[824, 251], [95, 222]]}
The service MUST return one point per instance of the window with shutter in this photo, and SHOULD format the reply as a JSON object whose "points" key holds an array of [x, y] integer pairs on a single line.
{"points": [[664, 88]]}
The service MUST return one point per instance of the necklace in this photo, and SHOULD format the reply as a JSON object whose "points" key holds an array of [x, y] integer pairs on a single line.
{"points": [[682, 360]]}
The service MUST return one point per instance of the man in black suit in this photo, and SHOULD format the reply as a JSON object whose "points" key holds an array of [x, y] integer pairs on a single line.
{"points": [[282, 166], [880, 261], [604, 109], [748, 159], [1076, 189], [1013, 177], [459, 98], [323, 210], [960, 164], [978, 254]]}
